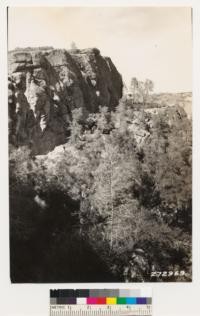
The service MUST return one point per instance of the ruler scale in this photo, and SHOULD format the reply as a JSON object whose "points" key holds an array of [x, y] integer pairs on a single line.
{"points": [[94, 310], [104, 302]]}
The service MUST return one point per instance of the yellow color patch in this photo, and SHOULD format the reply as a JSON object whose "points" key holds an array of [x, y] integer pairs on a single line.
{"points": [[111, 300]]}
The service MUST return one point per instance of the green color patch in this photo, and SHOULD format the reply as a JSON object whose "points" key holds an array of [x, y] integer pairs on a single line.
{"points": [[121, 300]]}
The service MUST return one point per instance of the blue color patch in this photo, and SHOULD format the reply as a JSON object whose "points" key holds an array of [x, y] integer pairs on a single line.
{"points": [[131, 300]]}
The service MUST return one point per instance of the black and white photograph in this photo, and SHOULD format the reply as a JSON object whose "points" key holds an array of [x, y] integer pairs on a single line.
{"points": [[100, 144]]}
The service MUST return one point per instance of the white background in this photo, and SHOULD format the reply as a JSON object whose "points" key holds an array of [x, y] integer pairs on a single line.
{"points": [[170, 299]]}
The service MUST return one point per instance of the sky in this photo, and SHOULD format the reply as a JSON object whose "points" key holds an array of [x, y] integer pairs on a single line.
{"points": [[143, 42]]}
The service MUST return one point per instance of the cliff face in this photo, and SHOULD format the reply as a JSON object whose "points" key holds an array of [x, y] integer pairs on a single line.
{"points": [[46, 85]]}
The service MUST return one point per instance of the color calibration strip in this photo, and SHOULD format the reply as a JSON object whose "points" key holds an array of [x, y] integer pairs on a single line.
{"points": [[98, 297], [103, 302]]}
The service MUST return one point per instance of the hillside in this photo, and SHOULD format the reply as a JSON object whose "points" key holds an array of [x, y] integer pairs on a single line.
{"points": [[100, 188], [183, 99]]}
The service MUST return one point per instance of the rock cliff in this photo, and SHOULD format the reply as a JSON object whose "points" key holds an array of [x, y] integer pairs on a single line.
{"points": [[45, 85]]}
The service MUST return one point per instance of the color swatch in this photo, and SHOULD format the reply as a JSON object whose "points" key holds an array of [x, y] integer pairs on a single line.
{"points": [[99, 297]]}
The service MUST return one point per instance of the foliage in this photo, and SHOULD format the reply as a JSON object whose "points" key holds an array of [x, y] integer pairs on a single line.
{"points": [[141, 90], [122, 184], [73, 46]]}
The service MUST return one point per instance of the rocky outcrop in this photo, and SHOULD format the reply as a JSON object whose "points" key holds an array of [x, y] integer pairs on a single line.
{"points": [[46, 85], [183, 99]]}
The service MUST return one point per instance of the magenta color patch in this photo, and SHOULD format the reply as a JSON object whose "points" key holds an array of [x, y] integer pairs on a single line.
{"points": [[91, 300]]}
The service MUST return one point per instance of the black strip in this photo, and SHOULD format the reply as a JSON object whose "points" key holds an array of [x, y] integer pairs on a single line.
{"points": [[82, 293]]}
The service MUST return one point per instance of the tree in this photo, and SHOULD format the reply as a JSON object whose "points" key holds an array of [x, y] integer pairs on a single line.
{"points": [[134, 88], [76, 126], [144, 88], [141, 90], [148, 86], [73, 46]]}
